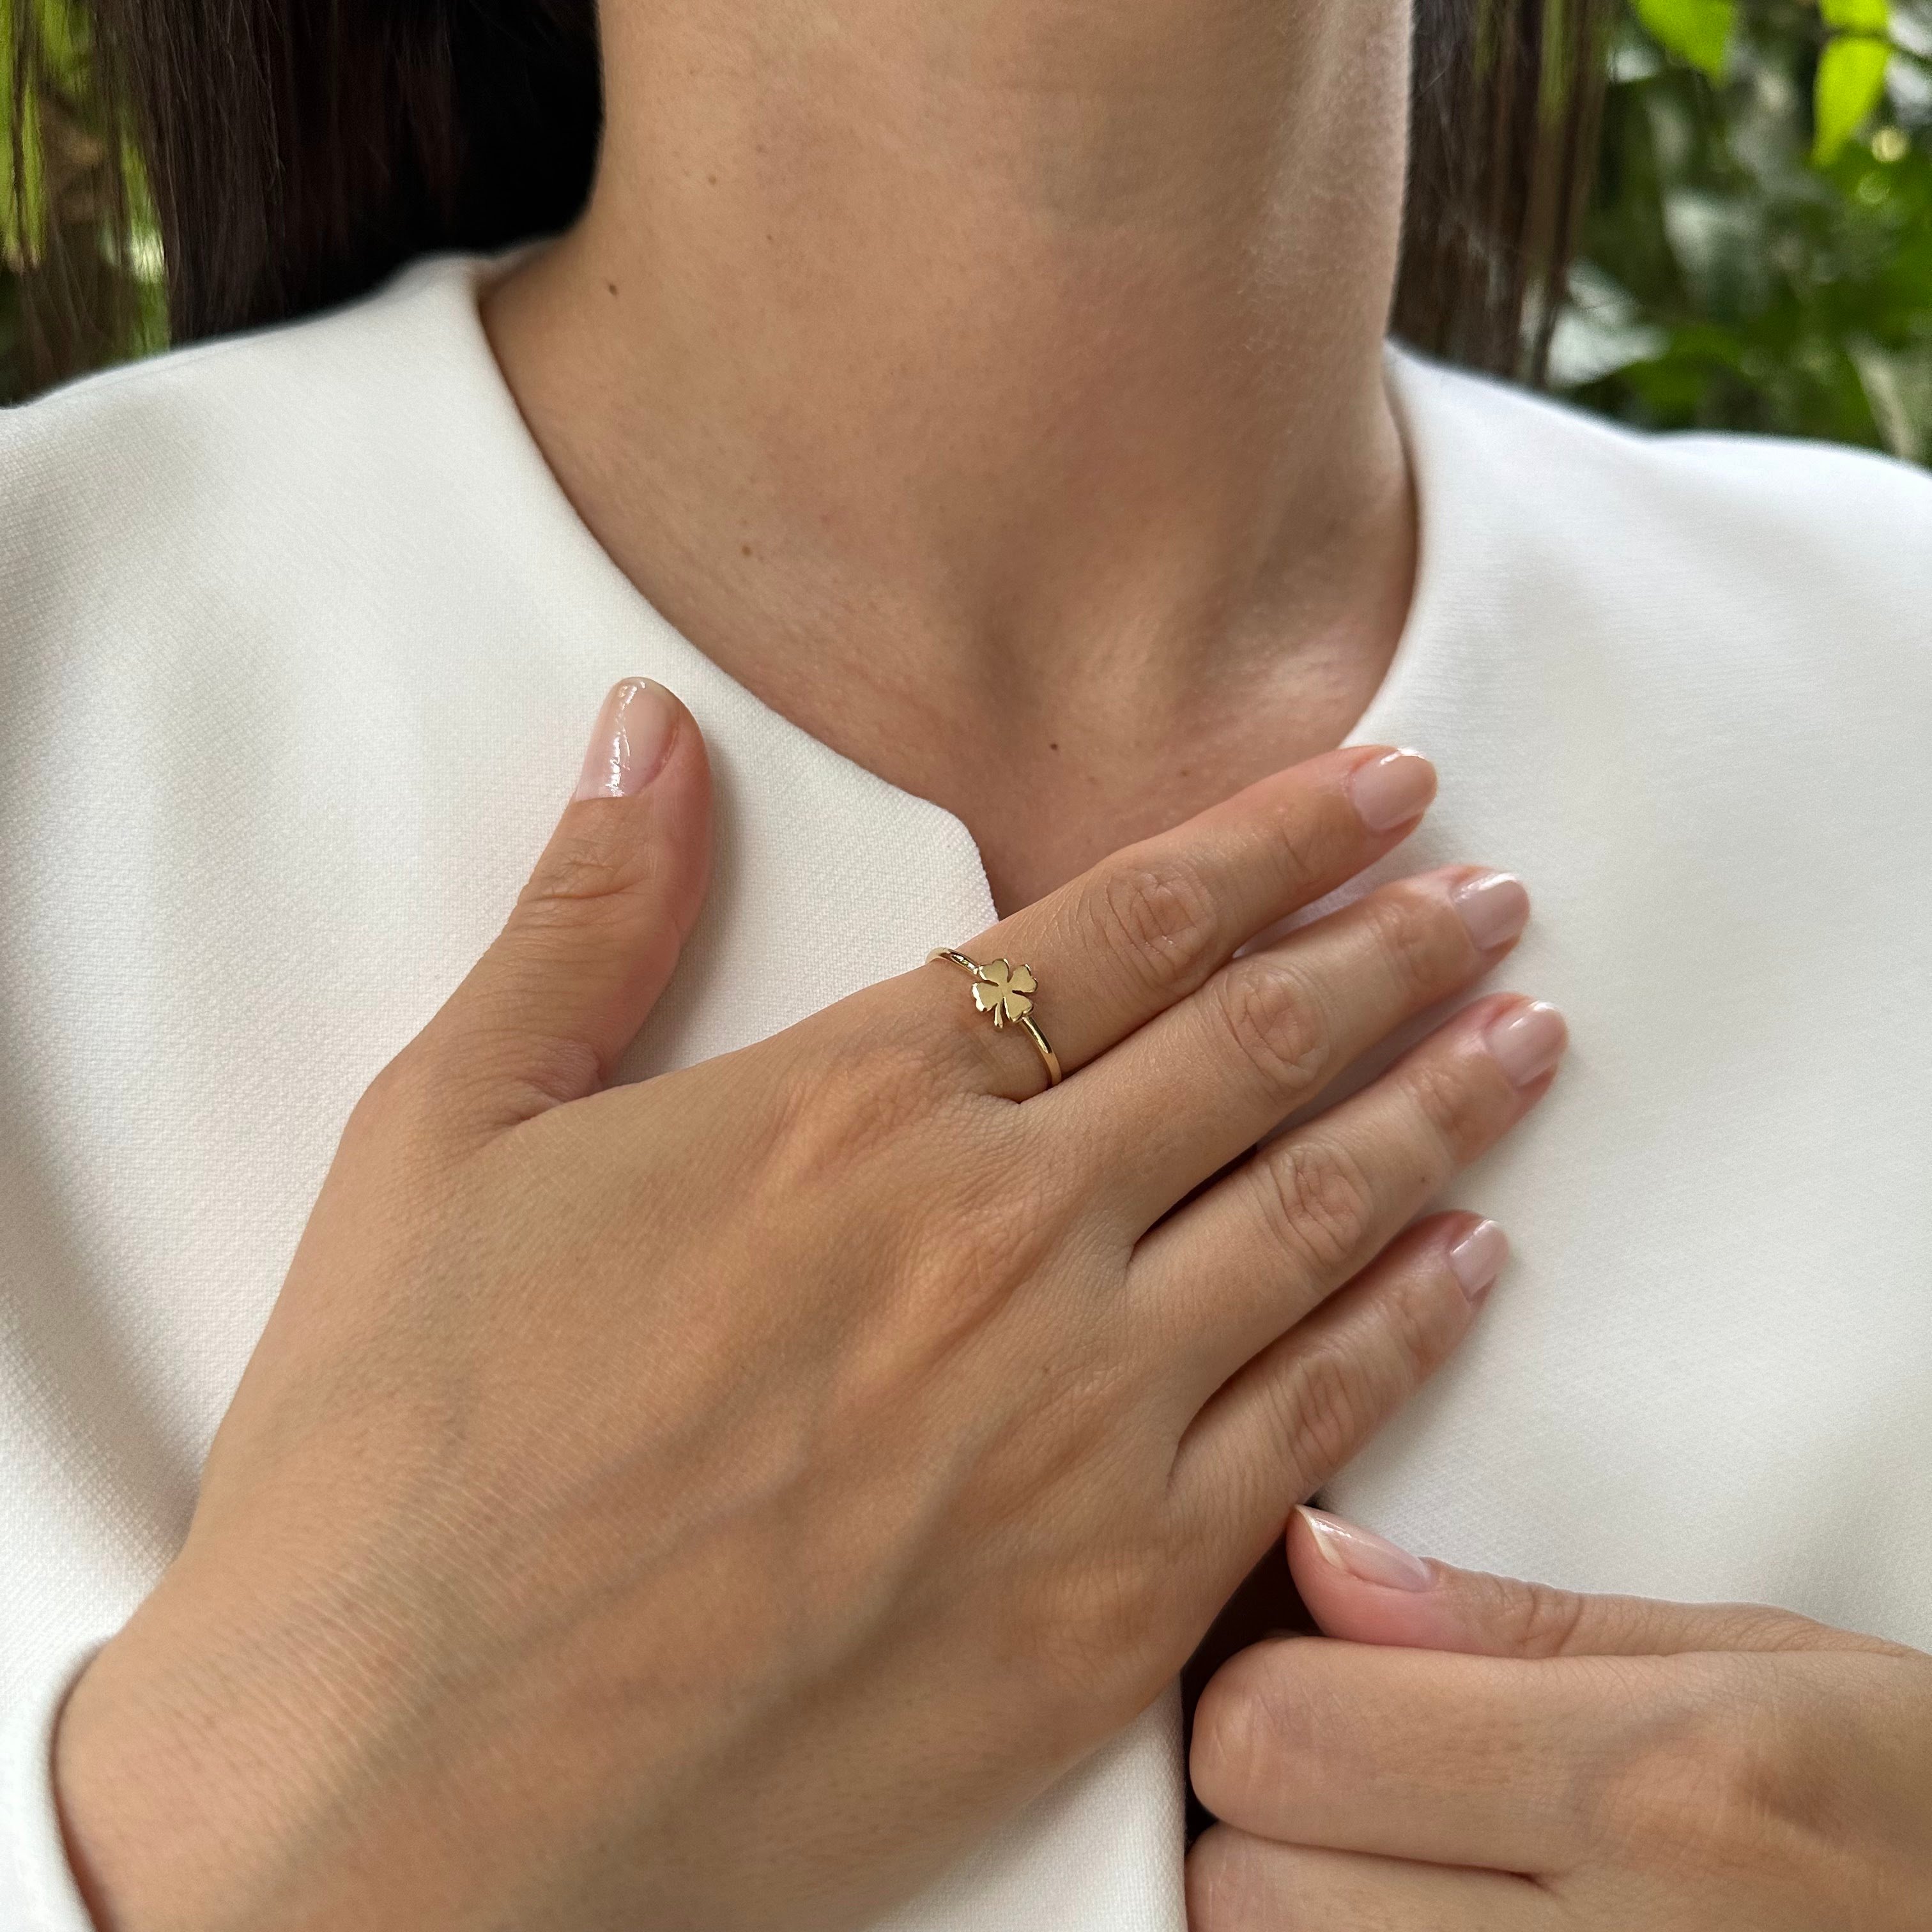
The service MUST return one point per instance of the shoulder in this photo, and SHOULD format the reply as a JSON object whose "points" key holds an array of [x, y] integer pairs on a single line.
{"points": [[1744, 489], [263, 388], [204, 470], [1688, 551]]}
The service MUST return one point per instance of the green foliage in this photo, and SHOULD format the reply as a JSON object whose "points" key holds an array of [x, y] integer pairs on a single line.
{"points": [[78, 243], [1758, 256], [1759, 253], [1850, 85], [1699, 31]]}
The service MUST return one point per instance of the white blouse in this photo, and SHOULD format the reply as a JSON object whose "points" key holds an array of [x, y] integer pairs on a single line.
{"points": [[299, 639]]}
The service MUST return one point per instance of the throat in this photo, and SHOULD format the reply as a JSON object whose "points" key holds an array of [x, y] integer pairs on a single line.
{"points": [[1046, 797], [1071, 756]]}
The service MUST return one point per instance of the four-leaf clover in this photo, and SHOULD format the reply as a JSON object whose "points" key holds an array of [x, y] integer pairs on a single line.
{"points": [[1002, 992]]}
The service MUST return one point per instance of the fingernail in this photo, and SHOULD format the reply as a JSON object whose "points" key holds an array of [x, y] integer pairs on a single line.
{"points": [[1493, 908], [1477, 1258], [627, 749], [1389, 791], [1361, 1554], [1528, 1041]]}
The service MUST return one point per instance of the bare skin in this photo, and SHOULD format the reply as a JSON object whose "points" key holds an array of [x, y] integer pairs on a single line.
{"points": [[709, 1504], [997, 391], [1479, 1754]]}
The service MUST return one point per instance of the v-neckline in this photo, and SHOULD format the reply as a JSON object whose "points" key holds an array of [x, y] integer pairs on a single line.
{"points": [[465, 277]]}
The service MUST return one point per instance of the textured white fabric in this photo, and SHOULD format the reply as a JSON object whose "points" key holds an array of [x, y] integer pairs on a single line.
{"points": [[299, 643]]}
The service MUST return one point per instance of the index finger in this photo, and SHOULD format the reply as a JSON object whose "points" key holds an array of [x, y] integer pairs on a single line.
{"points": [[1149, 924], [1444, 1758]]}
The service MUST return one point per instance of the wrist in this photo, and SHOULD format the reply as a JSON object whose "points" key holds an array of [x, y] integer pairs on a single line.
{"points": [[197, 1785], [138, 1805]]}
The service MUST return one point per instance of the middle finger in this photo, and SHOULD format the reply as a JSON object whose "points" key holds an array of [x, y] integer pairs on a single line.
{"points": [[1199, 1085]]}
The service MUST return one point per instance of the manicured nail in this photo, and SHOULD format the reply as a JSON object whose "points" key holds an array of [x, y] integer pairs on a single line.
{"points": [[1390, 790], [1493, 908], [1528, 1041], [1477, 1258], [627, 749], [1361, 1554]]}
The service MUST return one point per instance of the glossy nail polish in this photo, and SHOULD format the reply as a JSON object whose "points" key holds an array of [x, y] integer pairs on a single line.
{"points": [[1389, 790], [1361, 1554], [627, 748], [1477, 1258], [1528, 1041], [1493, 907]]}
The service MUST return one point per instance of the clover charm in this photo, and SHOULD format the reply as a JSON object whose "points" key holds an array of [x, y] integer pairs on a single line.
{"points": [[1003, 992]]}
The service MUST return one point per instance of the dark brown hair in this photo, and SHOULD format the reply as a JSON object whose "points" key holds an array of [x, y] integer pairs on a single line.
{"points": [[290, 154]]}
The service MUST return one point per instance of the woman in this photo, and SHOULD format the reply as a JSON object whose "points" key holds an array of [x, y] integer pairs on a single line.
{"points": [[715, 1460]]}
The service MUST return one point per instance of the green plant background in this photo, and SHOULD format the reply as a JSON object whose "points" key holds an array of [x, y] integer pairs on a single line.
{"points": [[1758, 255]]}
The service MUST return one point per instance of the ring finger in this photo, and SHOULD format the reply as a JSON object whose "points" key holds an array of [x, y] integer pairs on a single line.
{"points": [[1269, 1032], [1240, 1264], [1147, 926]]}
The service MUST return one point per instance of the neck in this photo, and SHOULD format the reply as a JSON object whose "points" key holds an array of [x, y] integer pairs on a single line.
{"points": [[1009, 348]]}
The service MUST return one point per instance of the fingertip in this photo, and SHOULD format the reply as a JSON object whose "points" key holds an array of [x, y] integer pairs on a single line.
{"points": [[646, 750], [636, 726], [1476, 1256], [1391, 788], [1364, 1588], [1345, 1550], [644, 738]]}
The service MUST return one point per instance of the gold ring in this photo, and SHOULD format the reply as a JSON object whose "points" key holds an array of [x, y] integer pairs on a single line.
{"points": [[1006, 992]]}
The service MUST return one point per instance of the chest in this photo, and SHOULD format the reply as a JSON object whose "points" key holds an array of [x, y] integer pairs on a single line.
{"points": [[1707, 1373]]}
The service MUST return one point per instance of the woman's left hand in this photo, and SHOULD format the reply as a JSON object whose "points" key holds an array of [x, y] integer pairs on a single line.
{"points": [[1480, 1755]]}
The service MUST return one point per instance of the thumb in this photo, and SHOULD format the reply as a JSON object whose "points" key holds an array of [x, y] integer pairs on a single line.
{"points": [[543, 1014], [1361, 1587]]}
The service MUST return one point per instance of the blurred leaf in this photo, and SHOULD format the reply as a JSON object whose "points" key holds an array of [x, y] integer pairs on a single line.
{"points": [[1699, 31], [1850, 85], [1781, 294], [1857, 17]]}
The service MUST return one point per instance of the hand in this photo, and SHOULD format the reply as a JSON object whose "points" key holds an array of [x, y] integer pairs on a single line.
{"points": [[1531, 1761], [713, 1502]]}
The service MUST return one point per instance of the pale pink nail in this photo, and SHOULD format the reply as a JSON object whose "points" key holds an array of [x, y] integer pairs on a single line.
{"points": [[1528, 1041], [627, 748], [1493, 908], [1389, 791], [1477, 1258], [1361, 1554]]}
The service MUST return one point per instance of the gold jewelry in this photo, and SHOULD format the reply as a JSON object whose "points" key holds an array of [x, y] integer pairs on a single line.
{"points": [[1006, 992]]}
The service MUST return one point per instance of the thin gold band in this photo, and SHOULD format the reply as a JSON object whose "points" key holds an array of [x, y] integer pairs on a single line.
{"points": [[1010, 998]]}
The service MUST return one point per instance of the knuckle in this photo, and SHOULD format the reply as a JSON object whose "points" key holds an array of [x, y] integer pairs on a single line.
{"points": [[1159, 918], [1314, 837], [1317, 1200], [1096, 1635], [1457, 1111], [1536, 1619], [1329, 1408], [1406, 928], [1224, 1889], [841, 1102], [1703, 1788], [1257, 1726], [1414, 1328], [592, 865], [1232, 1732], [1274, 1022]]}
